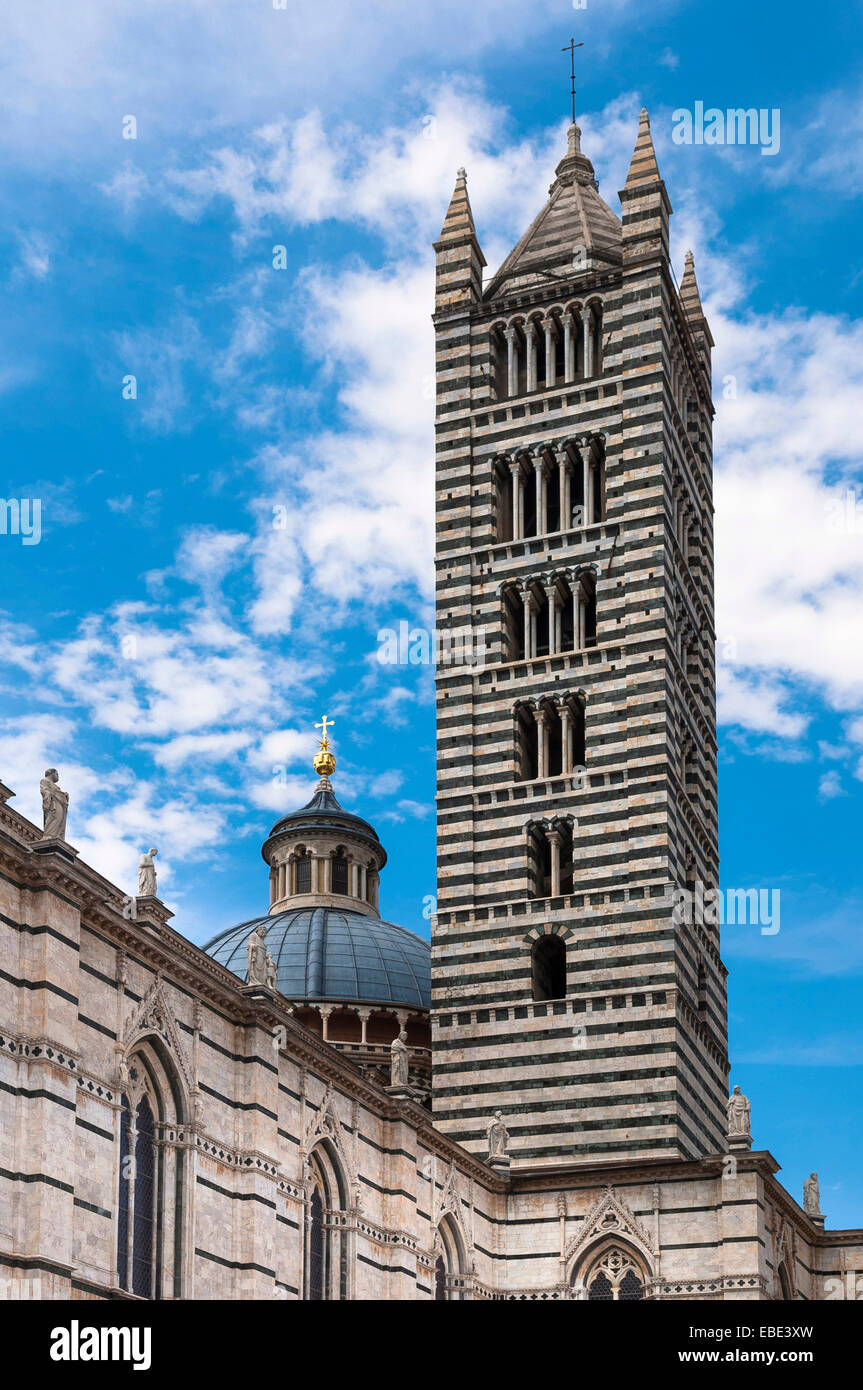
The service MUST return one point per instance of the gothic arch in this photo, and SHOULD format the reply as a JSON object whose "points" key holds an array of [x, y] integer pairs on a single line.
{"points": [[151, 1199], [450, 1258], [614, 1272], [608, 1228], [327, 1245], [451, 1204]]}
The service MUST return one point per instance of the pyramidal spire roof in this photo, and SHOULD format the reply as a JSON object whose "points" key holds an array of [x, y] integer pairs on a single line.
{"points": [[689, 296], [643, 167], [691, 299], [458, 223], [575, 220]]}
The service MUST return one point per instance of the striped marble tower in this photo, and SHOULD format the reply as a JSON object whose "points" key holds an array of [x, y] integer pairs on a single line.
{"points": [[576, 752]]}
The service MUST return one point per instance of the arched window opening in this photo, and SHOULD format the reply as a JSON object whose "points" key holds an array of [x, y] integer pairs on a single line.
{"points": [[499, 362], [579, 737], [317, 1251], [537, 375], [549, 968], [596, 331], [518, 384], [513, 619], [450, 1261], [559, 356], [340, 872], [326, 1239], [503, 501], [631, 1288], [786, 1292], [529, 507], [527, 745], [587, 611], [304, 874], [144, 1216], [615, 1277], [150, 1181], [578, 345], [550, 859]]}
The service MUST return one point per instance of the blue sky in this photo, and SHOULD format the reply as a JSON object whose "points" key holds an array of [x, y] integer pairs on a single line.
{"points": [[169, 648]]}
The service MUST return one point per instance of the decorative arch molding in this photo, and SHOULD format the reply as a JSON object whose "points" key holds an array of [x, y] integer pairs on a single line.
{"points": [[154, 1196], [325, 1128], [154, 1018], [610, 1222], [451, 1204], [331, 1205], [784, 1258], [545, 929]]}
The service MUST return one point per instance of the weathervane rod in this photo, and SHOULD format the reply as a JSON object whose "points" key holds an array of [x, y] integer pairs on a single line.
{"points": [[570, 49]]}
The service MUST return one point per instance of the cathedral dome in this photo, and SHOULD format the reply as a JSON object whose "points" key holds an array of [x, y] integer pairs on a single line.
{"points": [[331, 952], [335, 954]]}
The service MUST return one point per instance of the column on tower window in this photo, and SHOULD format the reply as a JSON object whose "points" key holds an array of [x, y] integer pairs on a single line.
{"points": [[578, 616], [564, 484], [585, 486], [565, 739], [530, 350], [541, 482], [587, 330], [529, 603], [569, 344], [517, 499], [511, 335], [590, 506], [554, 607], [554, 841], [550, 329], [541, 718]]}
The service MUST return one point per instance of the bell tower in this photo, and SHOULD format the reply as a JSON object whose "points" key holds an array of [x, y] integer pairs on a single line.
{"points": [[576, 762]]}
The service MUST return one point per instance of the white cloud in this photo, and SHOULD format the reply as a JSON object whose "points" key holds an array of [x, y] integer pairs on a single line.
{"points": [[830, 786], [182, 67], [35, 255], [199, 748]]}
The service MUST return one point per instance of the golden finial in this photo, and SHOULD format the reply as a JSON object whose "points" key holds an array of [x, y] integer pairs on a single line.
{"points": [[324, 762]]}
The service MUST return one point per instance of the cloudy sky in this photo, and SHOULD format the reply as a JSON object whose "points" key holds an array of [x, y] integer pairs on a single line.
{"points": [[232, 203]]}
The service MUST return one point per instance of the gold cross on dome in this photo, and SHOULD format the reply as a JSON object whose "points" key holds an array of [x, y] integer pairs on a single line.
{"points": [[323, 725]]}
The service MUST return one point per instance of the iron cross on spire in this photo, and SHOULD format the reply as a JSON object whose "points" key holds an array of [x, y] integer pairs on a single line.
{"points": [[570, 49], [323, 725]]}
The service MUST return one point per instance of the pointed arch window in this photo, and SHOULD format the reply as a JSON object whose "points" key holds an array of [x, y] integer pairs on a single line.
{"points": [[317, 1251], [136, 1216], [144, 1215], [450, 1263], [615, 1277], [150, 1190], [326, 1239]]}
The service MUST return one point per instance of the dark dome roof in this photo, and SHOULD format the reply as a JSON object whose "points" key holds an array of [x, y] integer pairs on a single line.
{"points": [[323, 812], [330, 953]]}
